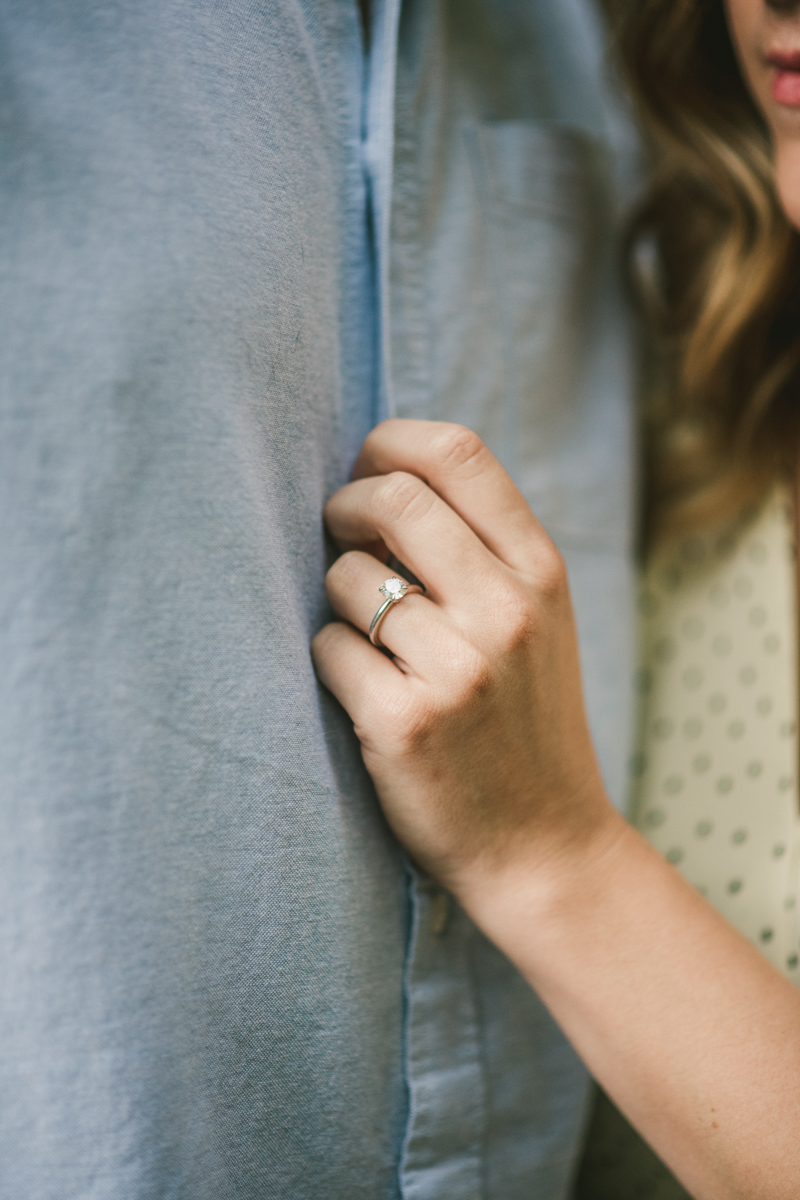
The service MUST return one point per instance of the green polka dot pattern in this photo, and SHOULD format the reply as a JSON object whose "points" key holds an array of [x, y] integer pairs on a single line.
{"points": [[714, 781]]}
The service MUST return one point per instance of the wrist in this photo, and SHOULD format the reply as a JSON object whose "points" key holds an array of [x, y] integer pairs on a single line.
{"points": [[545, 881]]}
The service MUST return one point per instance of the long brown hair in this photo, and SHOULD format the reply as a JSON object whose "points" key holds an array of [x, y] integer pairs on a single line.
{"points": [[715, 266]]}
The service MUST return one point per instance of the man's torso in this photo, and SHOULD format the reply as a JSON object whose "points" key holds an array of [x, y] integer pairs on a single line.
{"points": [[218, 977]]}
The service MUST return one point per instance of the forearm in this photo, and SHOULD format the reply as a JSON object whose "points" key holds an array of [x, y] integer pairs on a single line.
{"points": [[691, 1032]]}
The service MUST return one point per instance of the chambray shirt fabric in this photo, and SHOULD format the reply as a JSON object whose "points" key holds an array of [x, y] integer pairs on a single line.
{"points": [[230, 241]]}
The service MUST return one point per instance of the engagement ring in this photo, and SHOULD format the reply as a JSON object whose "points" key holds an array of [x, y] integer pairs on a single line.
{"points": [[392, 590]]}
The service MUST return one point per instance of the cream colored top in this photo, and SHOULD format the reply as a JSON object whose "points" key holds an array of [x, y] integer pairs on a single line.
{"points": [[715, 783]]}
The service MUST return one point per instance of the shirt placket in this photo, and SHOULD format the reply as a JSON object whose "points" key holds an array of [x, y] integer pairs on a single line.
{"points": [[442, 1154]]}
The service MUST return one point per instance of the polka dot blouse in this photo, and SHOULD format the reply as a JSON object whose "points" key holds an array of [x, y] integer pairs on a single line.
{"points": [[715, 782]]}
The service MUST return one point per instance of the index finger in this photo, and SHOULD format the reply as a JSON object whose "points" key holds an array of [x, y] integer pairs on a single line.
{"points": [[456, 464]]}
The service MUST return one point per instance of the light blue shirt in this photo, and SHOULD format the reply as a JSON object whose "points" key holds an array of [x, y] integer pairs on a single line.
{"points": [[231, 242]]}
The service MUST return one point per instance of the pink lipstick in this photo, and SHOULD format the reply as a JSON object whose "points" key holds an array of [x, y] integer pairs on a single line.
{"points": [[786, 81]]}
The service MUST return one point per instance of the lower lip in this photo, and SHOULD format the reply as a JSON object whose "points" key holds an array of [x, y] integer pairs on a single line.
{"points": [[786, 88]]}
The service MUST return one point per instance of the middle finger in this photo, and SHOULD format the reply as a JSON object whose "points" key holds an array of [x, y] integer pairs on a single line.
{"points": [[420, 529]]}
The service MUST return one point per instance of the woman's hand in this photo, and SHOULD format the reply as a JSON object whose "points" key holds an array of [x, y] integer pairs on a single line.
{"points": [[474, 731], [476, 738]]}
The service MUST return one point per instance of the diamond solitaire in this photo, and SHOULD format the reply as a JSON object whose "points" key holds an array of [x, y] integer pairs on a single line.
{"points": [[394, 588]]}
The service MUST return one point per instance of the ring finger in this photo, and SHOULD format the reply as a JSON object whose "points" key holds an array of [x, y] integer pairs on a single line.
{"points": [[410, 629]]}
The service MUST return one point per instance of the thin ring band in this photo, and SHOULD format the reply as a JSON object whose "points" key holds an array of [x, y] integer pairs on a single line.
{"points": [[394, 589]]}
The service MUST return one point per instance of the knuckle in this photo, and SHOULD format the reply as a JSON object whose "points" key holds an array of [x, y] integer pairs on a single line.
{"points": [[456, 447], [520, 628], [524, 613], [406, 728], [419, 725], [471, 676], [479, 675], [514, 616], [552, 583], [399, 495]]}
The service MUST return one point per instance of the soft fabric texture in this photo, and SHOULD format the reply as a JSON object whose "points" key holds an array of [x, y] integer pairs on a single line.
{"points": [[716, 776], [218, 977]]}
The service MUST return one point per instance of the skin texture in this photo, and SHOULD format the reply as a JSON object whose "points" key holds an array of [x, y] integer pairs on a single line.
{"points": [[473, 728]]}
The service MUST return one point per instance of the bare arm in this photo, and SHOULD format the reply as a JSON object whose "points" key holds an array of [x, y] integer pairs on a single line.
{"points": [[476, 737], [695, 1036]]}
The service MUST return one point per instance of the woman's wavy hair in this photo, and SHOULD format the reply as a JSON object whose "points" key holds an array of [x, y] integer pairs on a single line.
{"points": [[715, 266]]}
